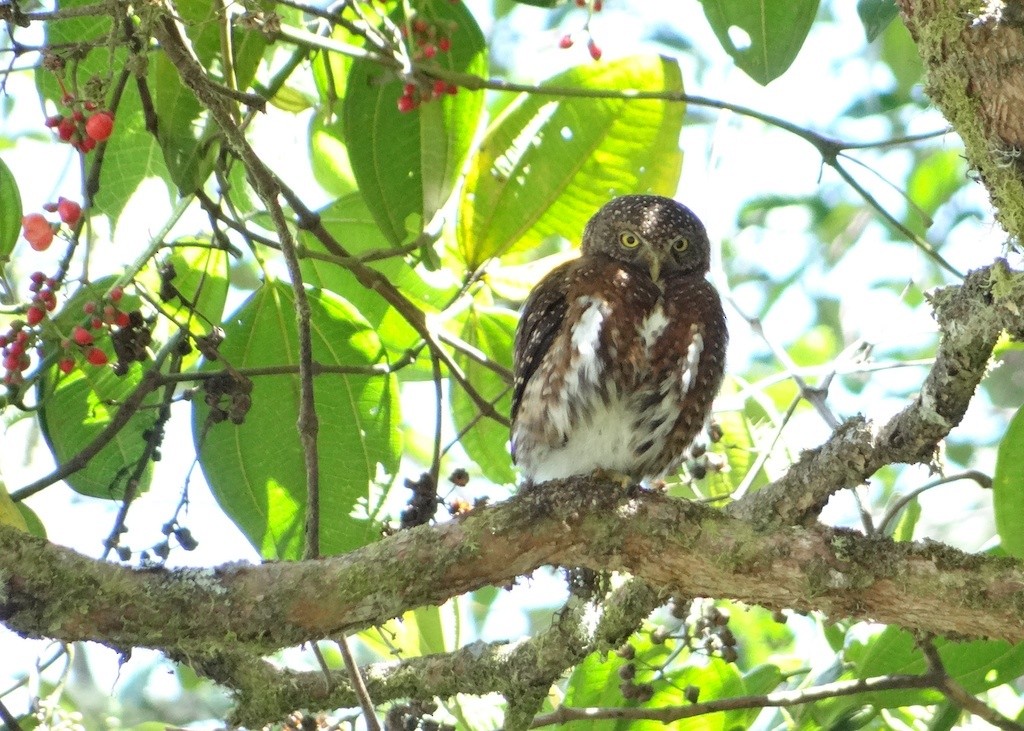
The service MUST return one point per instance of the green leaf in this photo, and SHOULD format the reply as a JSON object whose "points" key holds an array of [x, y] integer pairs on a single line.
{"points": [[596, 681], [490, 330], [977, 665], [256, 469], [762, 36], [1008, 487], [933, 182], [194, 280], [132, 153], [10, 212], [186, 136], [349, 221], [407, 164], [76, 407], [876, 15], [548, 162]]}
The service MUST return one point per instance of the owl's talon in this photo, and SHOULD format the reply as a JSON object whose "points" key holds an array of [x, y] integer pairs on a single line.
{"points": [[624, 480]]}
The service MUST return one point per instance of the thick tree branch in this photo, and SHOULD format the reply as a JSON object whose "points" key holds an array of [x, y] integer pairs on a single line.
{"points": [[971, 318], [225, 619]]}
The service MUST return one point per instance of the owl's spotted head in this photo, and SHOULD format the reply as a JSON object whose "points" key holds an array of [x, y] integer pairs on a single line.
{"points": [[652, 232]]}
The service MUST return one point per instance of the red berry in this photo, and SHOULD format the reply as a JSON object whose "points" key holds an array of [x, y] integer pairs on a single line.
{"points": [[122, 319], [37, 231], [429, 50], [452, 89], [69, 211], [439, 87], [12, 362], [81, 336], [581, 3], [50, 302], [37, 277], [65, 128], [96, 356], [87, 144], [595, 50], [34, 315], [445, 44], [66, 365], [420, 25], [53, 121], [89, 307], [99, 126], [565, 41], [90, 106], [95, 323], [116, 294], [68, 99], [406, 104], [598, 5]]}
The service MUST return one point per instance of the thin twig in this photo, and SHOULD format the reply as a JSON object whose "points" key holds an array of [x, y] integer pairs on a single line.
{"points": [[358, 685]]}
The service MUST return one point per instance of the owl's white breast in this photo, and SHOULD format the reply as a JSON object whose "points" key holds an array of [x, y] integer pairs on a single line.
{"points": [[603, 441]]}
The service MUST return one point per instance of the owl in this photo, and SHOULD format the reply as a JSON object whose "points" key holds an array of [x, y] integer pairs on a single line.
{"points": [[620, 352]]}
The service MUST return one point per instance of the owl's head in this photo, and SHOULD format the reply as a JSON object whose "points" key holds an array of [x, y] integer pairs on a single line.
{"points": [[652, 232]]}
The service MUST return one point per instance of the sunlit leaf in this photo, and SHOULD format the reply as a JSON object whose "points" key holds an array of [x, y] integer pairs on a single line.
{"points": [[132, 153], [9, 513], [491, 331], [762, 36], [10, 212], [194, 280], [76, 407], [549, 162], [1008, 487], [350, 222], [406, 164], [256, 469]]}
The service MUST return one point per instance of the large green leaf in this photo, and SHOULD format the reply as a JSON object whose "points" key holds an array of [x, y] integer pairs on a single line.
{"points": [[76, 407], [132, 153], [977, 666], [1008, 487], [350, 222], [762, 36], [10, 212], [407, 164], [490, 330], [186, 136], [256, 469], [549, 162]]}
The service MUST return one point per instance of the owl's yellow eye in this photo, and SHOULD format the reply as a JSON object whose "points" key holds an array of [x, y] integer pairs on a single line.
{"points": [[681, 245], [629, 239]]}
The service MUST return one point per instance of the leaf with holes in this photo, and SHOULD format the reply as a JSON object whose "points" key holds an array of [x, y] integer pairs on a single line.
{"points": [[762, 36]]}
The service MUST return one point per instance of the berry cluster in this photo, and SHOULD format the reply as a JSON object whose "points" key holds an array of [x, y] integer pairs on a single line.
{"points": [[427, 41], [101, 315], [39, 232], [84, 126], [567, 40]]}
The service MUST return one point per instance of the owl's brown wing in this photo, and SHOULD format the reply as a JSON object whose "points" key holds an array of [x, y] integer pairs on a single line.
{"points": [[542, 317]]}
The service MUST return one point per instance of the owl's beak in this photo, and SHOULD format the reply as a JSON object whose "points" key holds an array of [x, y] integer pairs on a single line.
{"points": [[653, 262]]}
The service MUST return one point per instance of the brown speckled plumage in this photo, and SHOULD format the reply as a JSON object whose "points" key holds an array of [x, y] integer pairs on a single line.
{"points": [[619, 353]]}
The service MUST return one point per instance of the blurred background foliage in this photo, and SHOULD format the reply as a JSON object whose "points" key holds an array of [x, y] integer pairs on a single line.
{"points": [[837, 198]]}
